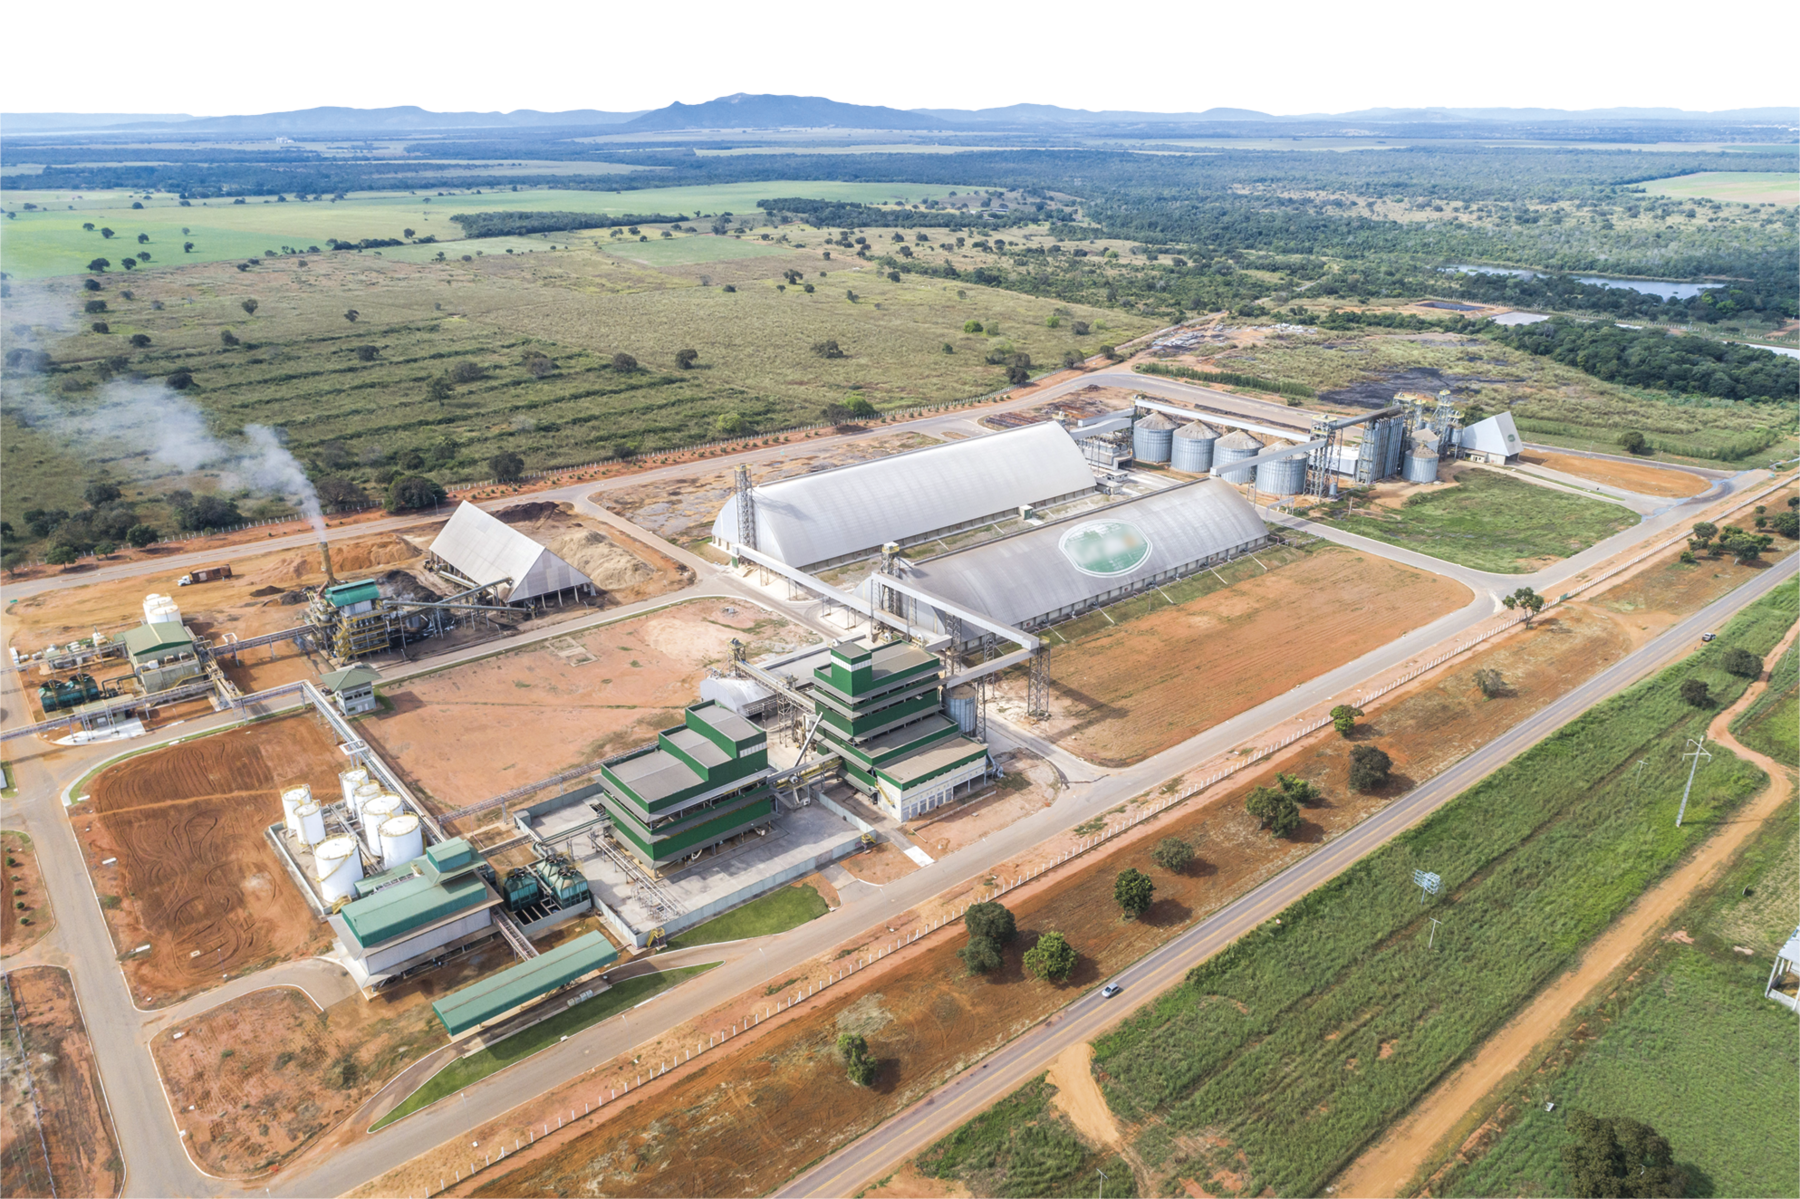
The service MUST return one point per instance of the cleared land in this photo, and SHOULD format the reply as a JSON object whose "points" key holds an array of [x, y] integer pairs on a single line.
{"points": [[193, 876], [1684, 1039], [57, 1135], [1491, 521], [1745, 187], [1124, 691], [1632, 476], [926, 1018], [27, 915], [524, 715], [776, 912]]}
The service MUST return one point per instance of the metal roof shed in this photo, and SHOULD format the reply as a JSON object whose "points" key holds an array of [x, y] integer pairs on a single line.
{"points": [[834, 515], [485, 549], [1496, 439], [505, 992], [158, 640]]}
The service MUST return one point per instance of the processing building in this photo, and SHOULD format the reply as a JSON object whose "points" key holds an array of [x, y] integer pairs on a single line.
{"points": [[702, 782], [482, 549], [833, 516], [434, 905]]}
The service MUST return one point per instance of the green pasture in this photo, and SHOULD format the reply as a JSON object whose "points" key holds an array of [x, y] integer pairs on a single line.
{"points": [[1746, 187], [1492, 521], [1022, 1146], [1688, 1045], [51, 242], [776, 912], [1306, 1038], [466, 1071], [1771, 725]]}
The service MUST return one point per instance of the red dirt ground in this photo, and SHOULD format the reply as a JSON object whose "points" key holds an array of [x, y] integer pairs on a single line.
{"points": [[1642, 478], [1124, 694], [195, 879], [77, 1128], [24, 885]]}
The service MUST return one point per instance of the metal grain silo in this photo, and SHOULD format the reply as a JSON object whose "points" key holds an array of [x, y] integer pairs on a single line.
{"points": [[1422, 464], [960, 704], [1284, 476], [1235, 446], [337, 868], [1394, 429], [1192, 448], [1150, 438]]}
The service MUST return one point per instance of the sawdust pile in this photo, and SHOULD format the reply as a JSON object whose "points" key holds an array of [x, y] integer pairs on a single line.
{"points": [[347, 558], [610, 565]]}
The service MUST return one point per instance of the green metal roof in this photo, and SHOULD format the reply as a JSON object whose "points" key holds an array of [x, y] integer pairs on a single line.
{"points": [[149, 640], [350, 677], [517, 985], [408, 905], [345, 594]]}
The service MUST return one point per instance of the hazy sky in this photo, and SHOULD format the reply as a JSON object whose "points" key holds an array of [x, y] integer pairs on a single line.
{"points": [[209, 57]]}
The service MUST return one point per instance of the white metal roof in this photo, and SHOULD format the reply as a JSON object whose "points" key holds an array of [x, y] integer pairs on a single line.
{"points": [[1018, 578], [832, 514], [485, 549], [1495, 435]]}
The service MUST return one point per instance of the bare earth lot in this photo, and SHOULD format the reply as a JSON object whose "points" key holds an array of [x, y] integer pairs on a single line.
{"points": [[1632, 476], [194, 877], [77, 1133]]}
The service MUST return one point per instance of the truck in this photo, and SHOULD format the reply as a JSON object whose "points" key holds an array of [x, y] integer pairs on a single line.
{"points": [[205, 574]]}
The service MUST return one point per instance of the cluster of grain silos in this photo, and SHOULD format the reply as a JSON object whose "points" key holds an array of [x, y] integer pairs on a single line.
{"points": [[1235, 446], [1282, 476], [1192, 448], [1151, 438]]}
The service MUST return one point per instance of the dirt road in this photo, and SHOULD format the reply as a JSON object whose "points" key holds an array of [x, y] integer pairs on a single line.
{"points": [[1389, 1167]]}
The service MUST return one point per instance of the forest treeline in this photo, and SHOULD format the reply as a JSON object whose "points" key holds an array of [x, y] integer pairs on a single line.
{"points": [[517, 223], [1651, 358]]}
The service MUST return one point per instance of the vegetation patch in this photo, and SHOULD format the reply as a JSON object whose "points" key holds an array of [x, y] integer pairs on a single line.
{"points": [[1772, 724], [776, 912], [1023, 1147]]}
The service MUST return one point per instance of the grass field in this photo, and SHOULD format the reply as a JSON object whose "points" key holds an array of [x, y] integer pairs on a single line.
{"points": [[1746, 187], [1688, 1045], [1021, 1147], [466, 1071], [1772, 723], [51, 240], [1304, 1039], [1492, 521], [776, 912]]}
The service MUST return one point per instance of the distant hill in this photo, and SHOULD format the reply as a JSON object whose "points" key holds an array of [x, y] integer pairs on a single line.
{"points": [[78, 122], [1516, 115], [406, 118], [1038, 114], [744, 111]]}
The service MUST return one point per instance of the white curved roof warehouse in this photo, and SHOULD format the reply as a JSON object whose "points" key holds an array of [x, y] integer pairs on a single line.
{"points": [[485, 549], [1068, 566], [836, 514]]}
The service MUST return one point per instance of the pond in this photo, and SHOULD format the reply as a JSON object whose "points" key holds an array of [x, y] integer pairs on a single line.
{"points": [[1667, 289]]}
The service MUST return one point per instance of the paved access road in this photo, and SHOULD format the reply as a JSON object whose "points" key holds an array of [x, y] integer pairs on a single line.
{"points": [[978, 1088]]}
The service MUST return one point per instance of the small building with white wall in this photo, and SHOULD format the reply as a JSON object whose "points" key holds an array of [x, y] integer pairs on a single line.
{"points": [[352, 688]]}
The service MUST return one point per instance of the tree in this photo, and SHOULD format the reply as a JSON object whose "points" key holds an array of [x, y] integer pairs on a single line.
{"points": [[1619, 1158], [971, 326], [1746, 547], [104, 549], [412, 492], [1696, 692], [106, 233], [1052, 957], [467, 372], [99, 265], [538, 365], [981, 955], [1133, 892], [143, 239], [1274, 809], [439, 389], [406, 233], [991, 920], [1491, 682], [828, 348], [1527, 601], [731, 424], [506, 466], [1343, 719], [1173, 854], [857, 1063], [1634, 442], [180, 380], [340, 494], [350, 314], [141, 536], [187, 247], [624, 362], [140, 340], [1369, 768], [685, 359], [93, 306], [100, 492], [1080, 328], [1111, 352], [60, 555], [1787, 524], [100, 327], [1704, 532], [367, 353], [88, 225], [249, 307], [1742, 663]]}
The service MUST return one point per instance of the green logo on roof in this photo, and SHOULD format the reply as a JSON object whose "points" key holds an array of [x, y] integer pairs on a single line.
{"points": [[1104, 548]]}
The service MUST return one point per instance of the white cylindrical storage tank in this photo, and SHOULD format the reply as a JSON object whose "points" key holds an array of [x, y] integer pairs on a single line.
{"points": [[348, 782], [291, 799], [1422, 465], [337, 867], [1150, 438], [383, 807], [402, 840], [1192, 448], [960, 705], [364, 794], [1284, 476], [310, 823], [1235, 446]]}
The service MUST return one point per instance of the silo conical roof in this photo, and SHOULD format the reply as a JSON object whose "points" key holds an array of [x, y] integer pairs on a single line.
{"points": [[1156, 422], [1237, 439], [1197, 431]]}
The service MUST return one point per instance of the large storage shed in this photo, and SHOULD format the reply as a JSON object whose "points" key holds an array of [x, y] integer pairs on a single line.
{"points": [[837, 515], [507, 992], [484, 549], [1069, 566], [1494, 440]]}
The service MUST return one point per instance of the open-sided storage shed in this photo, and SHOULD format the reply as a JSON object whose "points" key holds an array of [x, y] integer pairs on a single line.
{"points": [[485, 549]]}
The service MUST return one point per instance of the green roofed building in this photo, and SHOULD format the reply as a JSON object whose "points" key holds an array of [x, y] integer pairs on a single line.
{"points": [[162, 654], [881, 709], [483, 1004], [437, 905], [702, 782]]}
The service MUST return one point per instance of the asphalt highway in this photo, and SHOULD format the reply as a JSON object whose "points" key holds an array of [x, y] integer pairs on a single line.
{"points": [[979, 1087]]}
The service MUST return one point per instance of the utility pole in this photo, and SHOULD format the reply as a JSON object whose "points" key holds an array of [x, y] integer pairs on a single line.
{"points": [[1699, 751], [1100, 1191], [1432, 940]]}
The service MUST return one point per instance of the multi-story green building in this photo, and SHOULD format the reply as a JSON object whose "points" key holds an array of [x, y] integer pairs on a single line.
{"points": [[881, 709], [702, 782]]}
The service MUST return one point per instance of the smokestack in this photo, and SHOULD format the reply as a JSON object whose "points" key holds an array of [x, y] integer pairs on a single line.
{"points": [[325, 557]]}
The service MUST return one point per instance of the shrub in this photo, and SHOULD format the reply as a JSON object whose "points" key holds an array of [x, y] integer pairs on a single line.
{"points": [[1634, 442], [857, 1062], [685, 359], [828, 348], [1490, 682], [506, 467], [140, 340], [624, 362], [1369, 768], [1133, 892], [141, 536], [1052, 957], [971, 326], [991, 920], [1173, 854], [228, 337], [467, 372], [1343, 719], [1273, 809], [412, 492], [1696, 692], [180, 380], [100, 327], [981, 955], [1742, 663]]}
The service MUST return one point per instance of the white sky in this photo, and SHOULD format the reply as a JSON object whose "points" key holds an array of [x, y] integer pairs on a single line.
{"points": [[210, 57]]}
